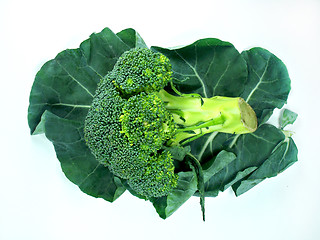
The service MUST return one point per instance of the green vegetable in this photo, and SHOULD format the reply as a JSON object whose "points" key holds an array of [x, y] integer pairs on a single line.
{"points": [[167, 124], [132, 117]]}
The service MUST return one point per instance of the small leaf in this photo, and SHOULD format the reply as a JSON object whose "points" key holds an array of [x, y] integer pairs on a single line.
{"points": [[287, 117], [134, 193]]}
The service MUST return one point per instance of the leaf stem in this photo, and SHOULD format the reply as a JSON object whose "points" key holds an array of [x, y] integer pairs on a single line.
{"points": [[196, 167]]}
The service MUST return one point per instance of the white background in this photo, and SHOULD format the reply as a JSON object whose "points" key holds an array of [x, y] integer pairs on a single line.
{"points": [[36, 199]]}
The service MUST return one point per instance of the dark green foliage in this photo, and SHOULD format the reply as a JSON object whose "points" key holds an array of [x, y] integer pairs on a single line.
{"points": [[64, 91], [60, 98]]}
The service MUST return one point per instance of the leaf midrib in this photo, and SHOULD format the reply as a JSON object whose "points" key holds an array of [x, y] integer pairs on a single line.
{"points": [[195, 72], [259, 81], [73, 78]]}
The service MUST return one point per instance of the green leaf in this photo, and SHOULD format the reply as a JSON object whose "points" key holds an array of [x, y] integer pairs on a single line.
{"points": [[187, 186], [282, 157], [268, 83], [59, 101], [264, 83], [77, 162], [240, 175], [218, 163], [212, 67], [253, 151], [66, 84], [267, 87], [214, 166], [287, 117], [132, 38], [134, 193], [197, 169], [209, 67]]}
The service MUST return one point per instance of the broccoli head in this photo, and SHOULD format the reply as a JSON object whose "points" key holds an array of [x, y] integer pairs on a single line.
{"points": [[133, 120]]}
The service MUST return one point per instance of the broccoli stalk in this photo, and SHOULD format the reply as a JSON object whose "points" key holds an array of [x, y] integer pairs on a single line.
{"points": [[196, 116]]}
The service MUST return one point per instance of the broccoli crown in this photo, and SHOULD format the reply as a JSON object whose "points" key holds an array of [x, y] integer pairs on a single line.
{"points": [[141, 70], [126, 133]]}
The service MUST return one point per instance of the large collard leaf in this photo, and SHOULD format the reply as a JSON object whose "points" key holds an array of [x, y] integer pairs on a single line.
{"points": [[62, 89], [251, 158], [199, 67], [66, 84], [282, 157], [213, 67], [77, 162], [253, 151], [267, 88], [209, 67], [268, 83], [188, 185], [60, 98]]}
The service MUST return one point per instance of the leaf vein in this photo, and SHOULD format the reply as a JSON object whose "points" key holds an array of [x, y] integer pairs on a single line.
{"points": [[195, 72], [219, 80], [259, 81], [92, 172], [73, 78]]}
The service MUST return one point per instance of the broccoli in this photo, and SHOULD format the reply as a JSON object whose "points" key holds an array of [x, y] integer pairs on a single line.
{"points": [[133, 120]]}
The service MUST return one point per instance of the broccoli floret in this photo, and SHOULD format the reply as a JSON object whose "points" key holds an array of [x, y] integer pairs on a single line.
{"points": [[141, 70], [146, 122], [133, 120], [157, 178]]}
